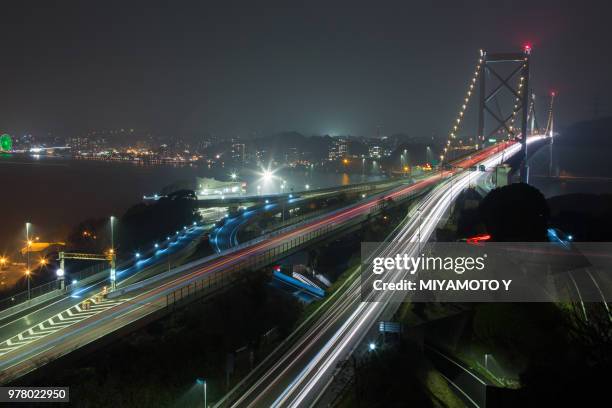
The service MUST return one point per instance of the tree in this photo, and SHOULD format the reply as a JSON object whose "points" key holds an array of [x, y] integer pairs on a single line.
{"points": [[515, 213], [146, 223]]}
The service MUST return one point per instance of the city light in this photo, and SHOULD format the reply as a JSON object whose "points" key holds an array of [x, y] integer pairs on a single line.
{"points": [[59, 272], [137, 254], [234, 176], [372, 346], [156, 245]]}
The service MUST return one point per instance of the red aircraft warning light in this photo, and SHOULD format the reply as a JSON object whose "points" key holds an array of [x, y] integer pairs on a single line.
{"points": [[527, 48]]}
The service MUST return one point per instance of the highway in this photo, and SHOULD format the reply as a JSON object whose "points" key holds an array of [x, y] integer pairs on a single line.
{"points": [[26, 350], [37, 320], [73, 327], [299, 376], [226, 236]]}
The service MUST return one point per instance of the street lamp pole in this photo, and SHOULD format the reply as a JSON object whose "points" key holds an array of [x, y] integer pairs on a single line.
{"points": [[112, 222], [28, 278], [202, 382], [28, 243], [419, 233], [113, 272]]}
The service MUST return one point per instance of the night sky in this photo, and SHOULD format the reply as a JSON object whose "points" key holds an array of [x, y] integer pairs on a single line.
{"points": [[238, 68]]}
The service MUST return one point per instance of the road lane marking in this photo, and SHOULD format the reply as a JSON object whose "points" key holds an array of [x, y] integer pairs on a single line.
{"points": [[60, 321]]}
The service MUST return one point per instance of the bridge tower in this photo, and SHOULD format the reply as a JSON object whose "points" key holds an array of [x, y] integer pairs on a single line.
{"points": [[533, 121], [509, 72]]}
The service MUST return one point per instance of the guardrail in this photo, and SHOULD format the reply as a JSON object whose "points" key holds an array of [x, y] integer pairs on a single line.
{"points": [[472, 387], [223, 276], [351, 187], [46, 291], [194, 264]]}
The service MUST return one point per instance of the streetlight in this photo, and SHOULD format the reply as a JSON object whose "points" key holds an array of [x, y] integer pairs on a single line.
{"points": [[202, 382], [234, 176], [43, 262], [112, 255], [60, 276], [372, 346], [307, 186]]}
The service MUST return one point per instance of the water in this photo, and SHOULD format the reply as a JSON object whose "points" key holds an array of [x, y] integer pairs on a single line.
{"points": [[582, 170], [55, 194]]}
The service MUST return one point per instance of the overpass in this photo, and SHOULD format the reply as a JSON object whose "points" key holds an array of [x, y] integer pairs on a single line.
{"points": [[321, 192]]}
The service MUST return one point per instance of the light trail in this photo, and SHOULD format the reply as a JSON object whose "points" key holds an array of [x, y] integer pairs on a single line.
{"points": [[310, 381], [19, 361]]}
